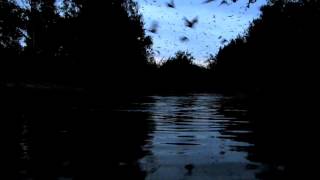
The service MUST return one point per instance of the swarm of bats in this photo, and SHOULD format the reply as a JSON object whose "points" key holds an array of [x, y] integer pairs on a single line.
{"points": [[190, 23]]}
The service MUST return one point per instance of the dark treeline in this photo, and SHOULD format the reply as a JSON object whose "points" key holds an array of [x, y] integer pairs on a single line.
{"points": [[77, 44], [86, 45], [103, 47], [181, 74], [278, 51]]}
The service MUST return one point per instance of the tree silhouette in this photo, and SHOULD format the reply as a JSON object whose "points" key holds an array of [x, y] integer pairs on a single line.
{"points": [[277, 46], [111, 34], [80, 43], [11, 32], [181, 74]]}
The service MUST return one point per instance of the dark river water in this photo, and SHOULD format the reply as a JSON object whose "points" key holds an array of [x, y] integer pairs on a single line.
{"points": [[196, 136]]}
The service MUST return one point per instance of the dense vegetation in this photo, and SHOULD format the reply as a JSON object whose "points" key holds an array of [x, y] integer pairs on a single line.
{"points": [[76, 44], [278, 51]]}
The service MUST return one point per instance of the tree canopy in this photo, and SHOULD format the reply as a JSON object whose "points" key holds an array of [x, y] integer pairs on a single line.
{"points": [[278, 50], [75, 42]]}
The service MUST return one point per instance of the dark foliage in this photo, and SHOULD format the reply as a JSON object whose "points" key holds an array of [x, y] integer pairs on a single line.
{"points": [[181, 74], [81, 44], [278, 51], [10, 21]]}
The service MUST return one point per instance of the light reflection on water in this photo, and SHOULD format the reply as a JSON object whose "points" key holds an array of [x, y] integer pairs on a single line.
{"points": [[195, 137]]}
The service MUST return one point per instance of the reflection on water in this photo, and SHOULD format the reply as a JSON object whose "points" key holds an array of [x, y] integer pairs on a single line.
{"points": [[196, 138], [199, 136]]}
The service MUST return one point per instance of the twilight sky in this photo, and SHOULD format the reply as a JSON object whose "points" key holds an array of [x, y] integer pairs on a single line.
{"points": [[216, 22]]}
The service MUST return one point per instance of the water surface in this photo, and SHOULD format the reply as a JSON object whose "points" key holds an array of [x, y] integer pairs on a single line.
{"points": [[196, 137]]}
